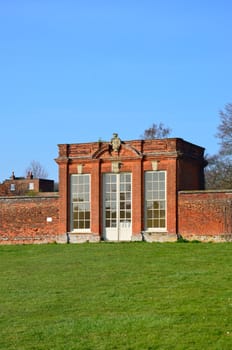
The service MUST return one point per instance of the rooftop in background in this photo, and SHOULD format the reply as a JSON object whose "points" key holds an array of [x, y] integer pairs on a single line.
{"points": [[20, 186]]}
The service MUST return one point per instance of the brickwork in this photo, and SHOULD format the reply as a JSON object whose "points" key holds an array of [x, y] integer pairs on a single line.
{"points": [[30, 220], [205, 215], [182, 161], [192, 213]]}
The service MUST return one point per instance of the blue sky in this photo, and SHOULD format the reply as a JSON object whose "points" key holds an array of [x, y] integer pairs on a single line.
{"points": [[78, 70]]}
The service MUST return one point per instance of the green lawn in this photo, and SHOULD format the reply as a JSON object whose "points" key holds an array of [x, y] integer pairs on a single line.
{"points": [[116, 296]]}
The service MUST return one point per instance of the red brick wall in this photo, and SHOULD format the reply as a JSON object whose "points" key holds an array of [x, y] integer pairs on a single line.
{"points": [[27, 219], [205, 215], [182, 161], [191, 214]]}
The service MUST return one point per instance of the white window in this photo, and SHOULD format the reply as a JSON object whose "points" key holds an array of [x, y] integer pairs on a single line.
{"points": [[80, 202], [155, 200], [31, 186], [12, 187]]}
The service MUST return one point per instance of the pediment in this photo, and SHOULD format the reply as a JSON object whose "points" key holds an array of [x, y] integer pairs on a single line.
{"points": [[124, 151]]}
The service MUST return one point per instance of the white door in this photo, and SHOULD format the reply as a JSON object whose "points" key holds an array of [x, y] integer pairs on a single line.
{"points": [[117, 207]]}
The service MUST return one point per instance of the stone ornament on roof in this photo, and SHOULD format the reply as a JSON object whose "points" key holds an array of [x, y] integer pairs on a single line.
{"points": [[115, 142]]}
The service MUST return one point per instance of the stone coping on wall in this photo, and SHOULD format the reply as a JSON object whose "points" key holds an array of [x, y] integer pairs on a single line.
{"points": [[34, 196], [223, 238], [204, 191]]}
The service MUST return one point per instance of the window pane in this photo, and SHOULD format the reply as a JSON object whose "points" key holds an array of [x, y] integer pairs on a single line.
{"points": [[122, 214], [155, 205], [113, 205], [122, 196], [75, 224], [122, 205], [113, 223], [122, 187], [162, 223], [156, 223], [149, 196], [113, 178], [155, 194], [149, 186], [113, 196], [162, 214], [128, 196], [162, 195], [162, 204], [149, 205]]}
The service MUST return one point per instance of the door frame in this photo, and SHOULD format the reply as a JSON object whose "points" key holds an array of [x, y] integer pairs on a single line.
{"points": [[118, 194]]}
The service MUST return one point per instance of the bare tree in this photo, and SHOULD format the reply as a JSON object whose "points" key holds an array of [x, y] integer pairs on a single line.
{"points": [[36, 170], [225, 131], [218, 173], [156, 131]]}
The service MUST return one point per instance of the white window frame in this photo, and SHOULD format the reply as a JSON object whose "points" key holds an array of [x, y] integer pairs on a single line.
{"points": [[12, 187], [74, 185], [153, 199], [31, 186]]}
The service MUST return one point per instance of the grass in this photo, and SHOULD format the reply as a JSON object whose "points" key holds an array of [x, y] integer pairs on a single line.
{"points": [[133, 296]]}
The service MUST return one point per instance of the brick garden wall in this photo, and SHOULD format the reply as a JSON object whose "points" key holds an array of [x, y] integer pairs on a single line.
{"points": [[195, 214], [202, 215], [29, 219], [205, 215]]}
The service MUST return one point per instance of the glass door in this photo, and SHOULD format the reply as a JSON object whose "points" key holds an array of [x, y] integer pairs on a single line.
{"points": [[117, 207]]}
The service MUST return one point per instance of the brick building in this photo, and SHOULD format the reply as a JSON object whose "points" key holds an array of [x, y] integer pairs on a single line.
{"points": [[150, 190], [29, 210], [20, 185], [126, 190]]}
